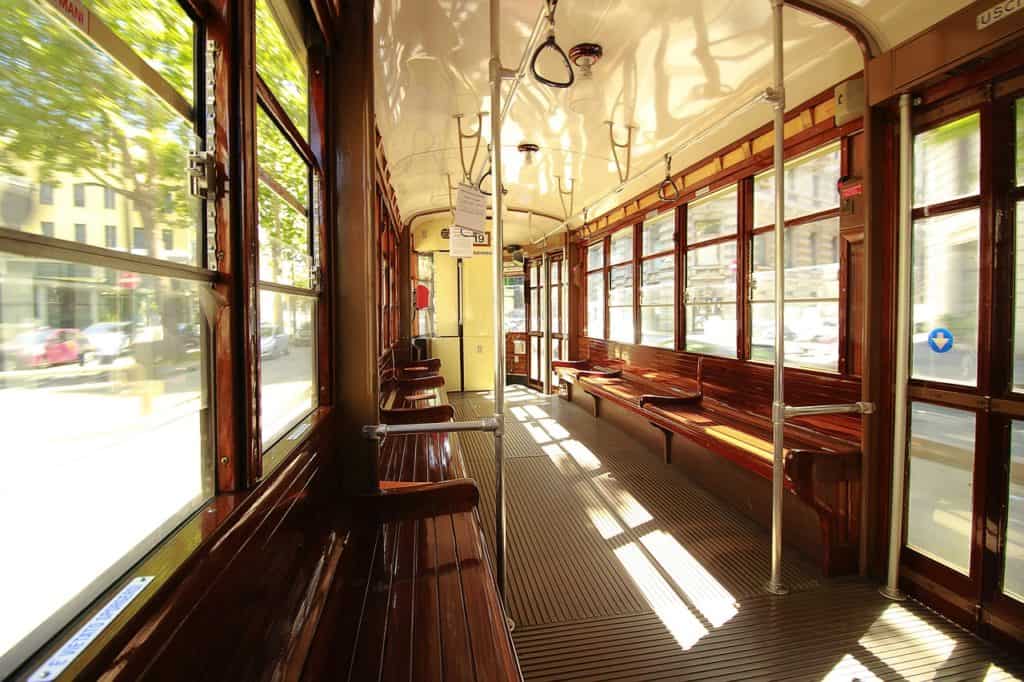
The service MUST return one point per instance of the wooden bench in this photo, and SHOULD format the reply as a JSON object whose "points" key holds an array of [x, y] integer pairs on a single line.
{"points": [[306, 581], [731, 418]]}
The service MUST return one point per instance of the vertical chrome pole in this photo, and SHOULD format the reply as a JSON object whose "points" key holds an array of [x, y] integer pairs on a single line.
{"points": [[775, 585], [899, 432], [546, 322], [498, 245]]}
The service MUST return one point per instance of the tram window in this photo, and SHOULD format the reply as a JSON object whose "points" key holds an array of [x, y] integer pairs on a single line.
{"points": [[811, 297], [287, 361], [103, 376], [425, 277], [1013, 570], [939, 508], [78, 130], [1018, 337], [710, 299], [657, 282], [620, 287], [281, 60], [1020, 143], [287, 317], [947, 161], [810, 186], [536, 287], [595, 290]]}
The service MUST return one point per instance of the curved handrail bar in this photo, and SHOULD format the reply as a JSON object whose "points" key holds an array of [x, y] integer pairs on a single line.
{"points": [[551, 44]]}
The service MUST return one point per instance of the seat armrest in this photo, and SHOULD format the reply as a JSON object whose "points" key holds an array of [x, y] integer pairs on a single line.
{"points": [[429, 365], [570, 364], [417, 383], [671, 400], [401, 501], [418, 415]]}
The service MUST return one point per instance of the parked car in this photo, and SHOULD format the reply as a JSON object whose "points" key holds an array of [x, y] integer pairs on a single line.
{"points": [[49, 347], [304, 335], [110, 339], [273, 341]]}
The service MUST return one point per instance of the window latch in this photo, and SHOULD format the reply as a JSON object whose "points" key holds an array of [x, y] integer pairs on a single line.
{"points": [[202, 174]]}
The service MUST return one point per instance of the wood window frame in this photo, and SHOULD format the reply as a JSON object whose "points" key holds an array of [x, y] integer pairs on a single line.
{"points": [[587, 272], [638, 277], [842, 361], [609, 266]]}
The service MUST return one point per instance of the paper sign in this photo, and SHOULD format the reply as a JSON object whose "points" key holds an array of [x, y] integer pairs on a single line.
{"points": [[470, 208], [460, 245]]}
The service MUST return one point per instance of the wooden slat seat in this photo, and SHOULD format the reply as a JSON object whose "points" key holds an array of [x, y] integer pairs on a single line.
{"points": [[732, 419]]}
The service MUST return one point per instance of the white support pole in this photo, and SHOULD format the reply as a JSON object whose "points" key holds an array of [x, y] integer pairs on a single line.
{"points": [[775, 585], [899, 432], [498, 249]]}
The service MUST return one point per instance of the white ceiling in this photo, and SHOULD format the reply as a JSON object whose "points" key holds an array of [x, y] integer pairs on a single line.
{"points": [[670, 67]]}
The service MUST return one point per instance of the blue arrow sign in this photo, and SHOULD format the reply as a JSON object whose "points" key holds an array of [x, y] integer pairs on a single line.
{"points": [[940, 340]]}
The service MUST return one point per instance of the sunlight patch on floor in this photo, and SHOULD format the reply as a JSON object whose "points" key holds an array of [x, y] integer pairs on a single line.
{"points": [[671, 610], [699, 586], [621, 501], [899, 624], [849, 669]]}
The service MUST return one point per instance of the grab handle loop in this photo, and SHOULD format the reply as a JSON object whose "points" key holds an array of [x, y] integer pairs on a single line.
{"points": [[668, 184], [551, 44]]}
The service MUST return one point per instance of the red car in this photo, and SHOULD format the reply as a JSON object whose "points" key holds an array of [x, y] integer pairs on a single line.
{"points": [[48, 347]]}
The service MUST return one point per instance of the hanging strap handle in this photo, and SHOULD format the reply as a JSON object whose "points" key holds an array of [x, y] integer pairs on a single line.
{"points": [[550, 44], [668, 183]]}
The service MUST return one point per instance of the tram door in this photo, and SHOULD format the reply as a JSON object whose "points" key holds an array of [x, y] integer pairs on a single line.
{"points": [[464, 314], [965, 483]]}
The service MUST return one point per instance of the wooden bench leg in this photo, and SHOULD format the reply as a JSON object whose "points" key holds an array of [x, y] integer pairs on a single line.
{"points": [[597, 405], [666, 443]]}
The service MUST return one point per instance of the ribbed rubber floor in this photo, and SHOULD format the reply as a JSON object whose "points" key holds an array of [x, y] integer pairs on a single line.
{"points": [[620, 568]]}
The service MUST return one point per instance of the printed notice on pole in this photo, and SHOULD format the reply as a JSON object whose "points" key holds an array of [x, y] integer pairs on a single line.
{"points": [[470, 208], [460, 243]]}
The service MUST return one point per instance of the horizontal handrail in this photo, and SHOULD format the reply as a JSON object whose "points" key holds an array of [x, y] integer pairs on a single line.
{"points": [[848, 408], [381, 431]]}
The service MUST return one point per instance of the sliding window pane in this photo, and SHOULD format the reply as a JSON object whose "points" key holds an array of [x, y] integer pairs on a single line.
{"points": [[595, 305], [945, 298], [556, 310], [711, 328], [104, 406], [620, 304], [711, 299], [812, 334], [1018, 298], [657, 281], [284, 232], [939, 509], [535, 309], [621, 246], [287, 362], [281, 58], [713, 216], [812, 262], [810, 187], [1013, 571], [78, 127], [946, 161], [658, 326], [659, 233], [595, 256]]}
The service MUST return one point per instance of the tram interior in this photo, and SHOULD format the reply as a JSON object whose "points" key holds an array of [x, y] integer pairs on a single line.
{"points": [[518, 339]]}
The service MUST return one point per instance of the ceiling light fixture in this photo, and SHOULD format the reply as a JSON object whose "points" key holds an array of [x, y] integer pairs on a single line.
{"points": [[585, 98]]}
